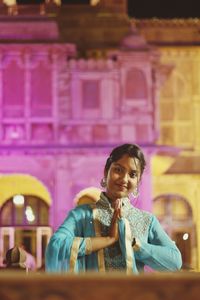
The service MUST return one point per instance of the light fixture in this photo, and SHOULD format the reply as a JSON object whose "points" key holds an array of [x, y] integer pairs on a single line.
{"points": [[29, 214], [185, 236], [18, 200]]}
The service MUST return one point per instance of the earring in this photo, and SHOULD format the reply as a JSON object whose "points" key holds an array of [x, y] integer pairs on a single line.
{"points": [[103, 182], [135, 193]]}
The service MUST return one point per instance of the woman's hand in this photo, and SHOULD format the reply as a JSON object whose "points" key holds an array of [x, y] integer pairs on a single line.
{"points": [[114, 223], [101, 242]]}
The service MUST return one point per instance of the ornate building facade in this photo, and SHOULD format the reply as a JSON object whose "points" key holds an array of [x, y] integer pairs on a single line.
{"points": [[75, 82], [176, 177]]}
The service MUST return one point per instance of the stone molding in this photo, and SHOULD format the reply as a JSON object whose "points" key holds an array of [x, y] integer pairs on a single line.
{"points": [[184, 286]]}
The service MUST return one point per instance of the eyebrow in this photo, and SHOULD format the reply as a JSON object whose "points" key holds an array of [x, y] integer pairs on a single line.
{"points": [[131, 171]]}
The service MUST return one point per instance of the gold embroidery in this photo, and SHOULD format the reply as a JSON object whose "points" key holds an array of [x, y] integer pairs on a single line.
{"points": [[129, 250], [88, 246], [74, 253], [97, 227]]}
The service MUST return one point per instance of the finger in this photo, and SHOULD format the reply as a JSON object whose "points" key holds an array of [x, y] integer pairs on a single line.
{"points": [[118, 214], [114, 217], [116, 204], [115, 213], [119, 203]]}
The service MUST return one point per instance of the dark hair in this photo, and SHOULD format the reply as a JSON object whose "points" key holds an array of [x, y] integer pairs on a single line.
{"points": [[132, 150]]}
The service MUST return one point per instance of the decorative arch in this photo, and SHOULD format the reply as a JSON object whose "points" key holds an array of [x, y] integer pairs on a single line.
{"points": [[24, 184], [26, 221], [136, 84], [175, 214], [174, 205], [175, 87], [33, 211]]}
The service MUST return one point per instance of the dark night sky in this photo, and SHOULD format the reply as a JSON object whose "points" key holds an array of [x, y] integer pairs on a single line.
{"points": [[150, 8], [164, 8], [159, 8]]}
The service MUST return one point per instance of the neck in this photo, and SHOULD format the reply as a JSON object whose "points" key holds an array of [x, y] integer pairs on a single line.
{"points": [[112, 201]]}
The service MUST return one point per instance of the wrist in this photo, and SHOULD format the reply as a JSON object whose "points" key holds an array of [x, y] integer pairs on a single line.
{"points": [[111, 240]]}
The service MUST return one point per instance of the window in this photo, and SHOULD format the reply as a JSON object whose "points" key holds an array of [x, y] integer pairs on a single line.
{"points": [[90, 92], [32, 212], [13, 90], [136, 85], [41, 91], [175, 214]]}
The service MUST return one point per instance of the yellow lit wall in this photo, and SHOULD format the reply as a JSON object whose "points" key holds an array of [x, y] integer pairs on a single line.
{"points": [[11, 185]]}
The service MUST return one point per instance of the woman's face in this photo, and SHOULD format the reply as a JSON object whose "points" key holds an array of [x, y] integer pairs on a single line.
{"points": [[122, 177]]}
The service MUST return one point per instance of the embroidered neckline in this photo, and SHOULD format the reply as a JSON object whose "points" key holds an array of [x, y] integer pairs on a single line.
{"points": [[139, 220], [104, 201]]}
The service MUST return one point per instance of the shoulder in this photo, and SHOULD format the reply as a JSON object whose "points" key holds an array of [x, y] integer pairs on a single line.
{"points": [[143, 214], [140, 221], [78, 213], [81, 210], [150, 221]]}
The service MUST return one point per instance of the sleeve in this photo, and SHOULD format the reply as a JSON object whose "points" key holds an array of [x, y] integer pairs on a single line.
{"points": [[160, 252], [67, 245]]}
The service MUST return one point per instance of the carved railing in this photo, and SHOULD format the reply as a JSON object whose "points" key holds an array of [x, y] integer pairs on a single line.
{"points": [[156, 286], [11, 8]]}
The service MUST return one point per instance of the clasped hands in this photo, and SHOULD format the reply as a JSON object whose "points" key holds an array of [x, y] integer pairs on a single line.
{"points": [[114, 232]]}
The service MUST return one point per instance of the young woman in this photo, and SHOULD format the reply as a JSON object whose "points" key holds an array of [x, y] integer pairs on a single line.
{"points": [[111, 234]]}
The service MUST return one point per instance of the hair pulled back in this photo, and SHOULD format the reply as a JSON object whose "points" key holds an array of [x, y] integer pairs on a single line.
{"points": [[132, 150]]}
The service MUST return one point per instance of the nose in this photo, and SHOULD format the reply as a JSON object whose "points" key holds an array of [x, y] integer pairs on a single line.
{"points": [[124, 177]]}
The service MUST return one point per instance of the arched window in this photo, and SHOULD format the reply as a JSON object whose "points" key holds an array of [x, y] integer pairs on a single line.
{"points": [[29, 211], [175, 214], [136, 85], [175, 87]]}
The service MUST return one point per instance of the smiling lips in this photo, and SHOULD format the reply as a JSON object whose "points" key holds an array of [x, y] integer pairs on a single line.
{"points": [[121, 187]]}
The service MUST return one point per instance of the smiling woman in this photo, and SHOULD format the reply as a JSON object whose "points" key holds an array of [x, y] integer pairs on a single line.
{"points": [[111, 234]]}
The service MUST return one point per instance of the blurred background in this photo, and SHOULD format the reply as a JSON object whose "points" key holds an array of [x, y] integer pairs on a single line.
{"points": [[78, 78]]}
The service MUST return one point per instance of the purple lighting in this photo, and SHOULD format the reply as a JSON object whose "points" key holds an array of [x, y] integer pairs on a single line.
{"points": [[62, 112]]}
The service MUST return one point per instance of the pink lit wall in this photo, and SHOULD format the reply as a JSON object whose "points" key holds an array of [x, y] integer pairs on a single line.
{"points": [[60, 117]]}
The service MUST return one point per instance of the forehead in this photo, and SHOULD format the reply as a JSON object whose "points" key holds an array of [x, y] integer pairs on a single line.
{"points": [[128, 162]]}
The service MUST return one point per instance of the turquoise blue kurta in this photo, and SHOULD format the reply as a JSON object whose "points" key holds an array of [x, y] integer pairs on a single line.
{"points": [[68, 247]]}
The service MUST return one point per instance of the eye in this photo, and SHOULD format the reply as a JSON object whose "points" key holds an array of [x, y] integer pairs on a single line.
{"points": [[117, 169], [133, 174]]}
